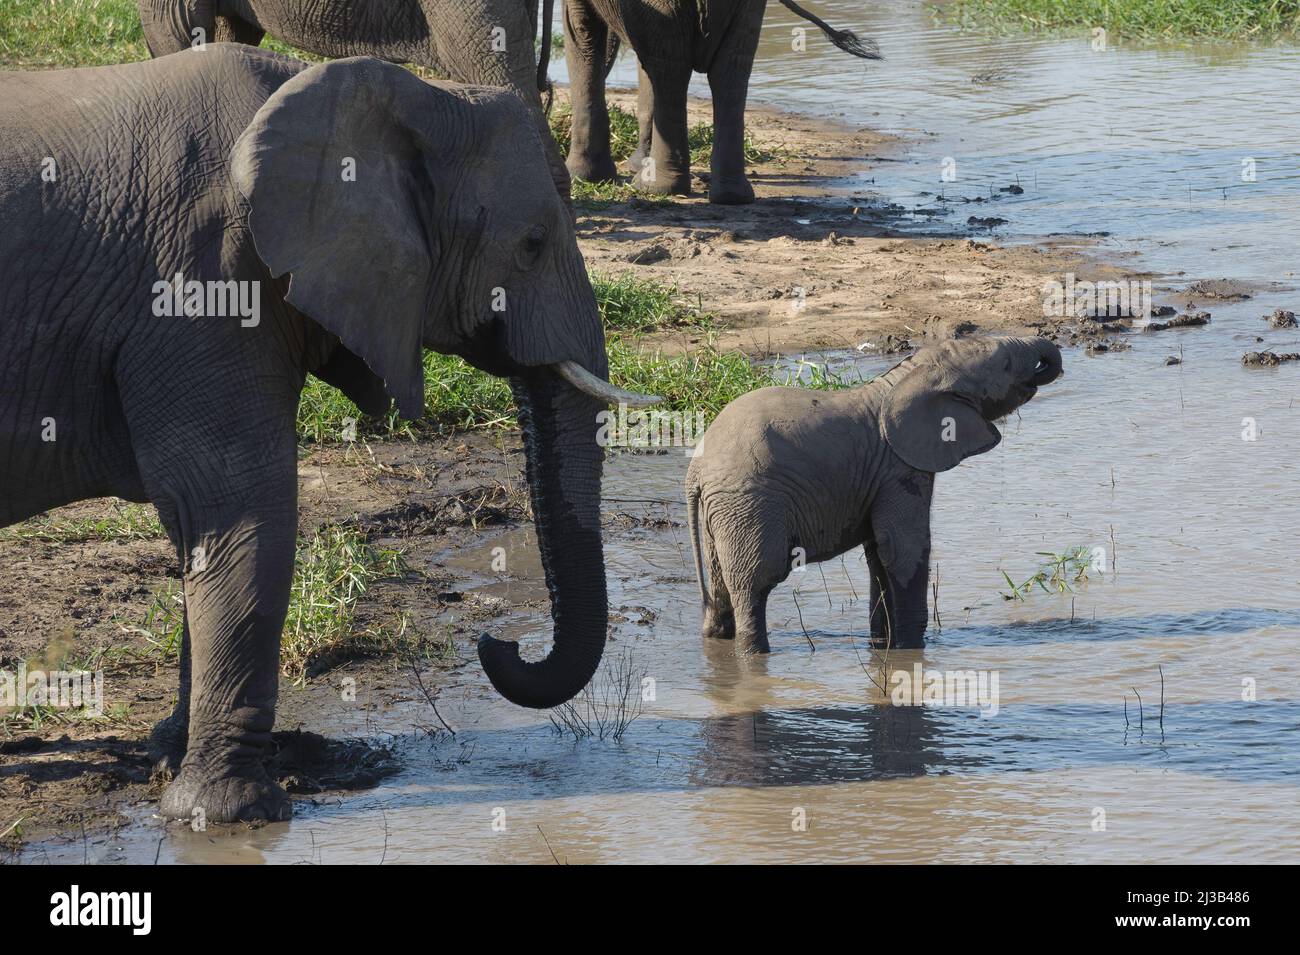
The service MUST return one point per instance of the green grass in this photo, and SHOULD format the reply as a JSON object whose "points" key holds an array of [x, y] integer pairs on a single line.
{"points": [[127, 522], [163, 626], [700, 139], [332, 571], [46, 33], [595, 196], [1226, 19], [631, 304]]}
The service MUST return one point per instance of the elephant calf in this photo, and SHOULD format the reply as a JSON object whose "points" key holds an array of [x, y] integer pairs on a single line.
{"points": [[786, 472]]}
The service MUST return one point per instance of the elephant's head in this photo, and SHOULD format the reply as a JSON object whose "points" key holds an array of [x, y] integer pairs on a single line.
{"points": [[411, 215], [940, 404]]}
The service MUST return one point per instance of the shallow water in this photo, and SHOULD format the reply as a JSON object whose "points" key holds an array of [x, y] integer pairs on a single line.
{"points": [[1197, 584]]}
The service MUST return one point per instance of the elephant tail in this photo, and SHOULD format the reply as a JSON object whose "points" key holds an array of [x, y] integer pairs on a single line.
{"points": [[697, 546], [544, 54], [846, 40], [611, 51]]}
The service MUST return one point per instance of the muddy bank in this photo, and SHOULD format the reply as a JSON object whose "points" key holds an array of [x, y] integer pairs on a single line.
{"points": [[812, 265]]}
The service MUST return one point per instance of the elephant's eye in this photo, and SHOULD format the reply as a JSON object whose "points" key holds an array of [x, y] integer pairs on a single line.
{"points": [[534, 242]]}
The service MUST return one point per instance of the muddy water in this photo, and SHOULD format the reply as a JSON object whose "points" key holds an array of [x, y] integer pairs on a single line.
{"points": [[1143, 460], [799, 755]]}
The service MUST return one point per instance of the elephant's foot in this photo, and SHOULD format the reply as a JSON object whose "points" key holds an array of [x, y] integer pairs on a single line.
{"points": [[730, 191], [592, 168], [664, 185], [719, 625], [882, 642], [167, 744], [249, 795], [752, 645]]}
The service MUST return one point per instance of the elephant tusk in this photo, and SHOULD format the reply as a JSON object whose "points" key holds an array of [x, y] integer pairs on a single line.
{"points": [[589, 384]]}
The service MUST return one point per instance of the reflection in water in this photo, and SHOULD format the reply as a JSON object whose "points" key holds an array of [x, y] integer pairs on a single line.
{"points": [[816, 747]]}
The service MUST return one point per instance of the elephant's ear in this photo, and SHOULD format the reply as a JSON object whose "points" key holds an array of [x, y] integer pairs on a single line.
{"points": [[932, 427], [337, 181]]}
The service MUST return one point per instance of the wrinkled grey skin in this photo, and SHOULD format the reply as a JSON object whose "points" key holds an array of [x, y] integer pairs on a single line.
{"points": [[786, 468], [671, 38], [225, 165], [452, 37]]}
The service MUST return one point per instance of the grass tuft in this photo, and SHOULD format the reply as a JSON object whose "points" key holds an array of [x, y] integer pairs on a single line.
{"points": [[332, 571], [127, 522], [51, 33], [629, 303], [1224, 19]]}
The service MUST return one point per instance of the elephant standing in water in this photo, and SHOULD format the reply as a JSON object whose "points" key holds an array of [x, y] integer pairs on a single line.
{"points": [[185, 240], [788, 471], [671, 38], [480, 42]]}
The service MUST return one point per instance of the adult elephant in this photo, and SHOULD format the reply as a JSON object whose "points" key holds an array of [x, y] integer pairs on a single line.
{"points": [[186, 240], [671, 38], [480, 42]]}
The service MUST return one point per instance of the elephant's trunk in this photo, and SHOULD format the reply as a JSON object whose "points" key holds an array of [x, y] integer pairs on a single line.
{"points": [[564, 468], [1048, 366]]}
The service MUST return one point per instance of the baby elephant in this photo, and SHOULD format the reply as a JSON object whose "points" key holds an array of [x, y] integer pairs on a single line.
{"points": [[787, 475]]}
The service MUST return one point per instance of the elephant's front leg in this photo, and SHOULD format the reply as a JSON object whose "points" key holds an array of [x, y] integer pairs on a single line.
{"points": [[585, 36], [729, 83], [239, 567], [899, 558], [667, 171]]}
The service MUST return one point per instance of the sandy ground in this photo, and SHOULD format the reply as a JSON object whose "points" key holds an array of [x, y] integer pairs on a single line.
{"points": [[812, 265], [865, 284]]}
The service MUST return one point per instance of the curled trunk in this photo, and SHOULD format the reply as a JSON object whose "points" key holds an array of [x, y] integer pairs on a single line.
{"points": [[564, 469]]}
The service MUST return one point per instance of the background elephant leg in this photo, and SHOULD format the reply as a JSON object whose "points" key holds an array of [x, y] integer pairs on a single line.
{"points": [[168, 740], [645, 110], [238, 574], [585, 36], [235, 30], [669, 170], [729, 83]]}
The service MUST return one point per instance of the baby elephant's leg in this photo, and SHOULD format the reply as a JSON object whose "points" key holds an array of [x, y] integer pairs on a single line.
{"points": [[754, 568], [719, 617], [899, 558]]}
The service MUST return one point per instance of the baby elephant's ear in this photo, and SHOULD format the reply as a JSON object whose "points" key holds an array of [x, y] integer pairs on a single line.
{"points": [[339, 196], [932, 429]]}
